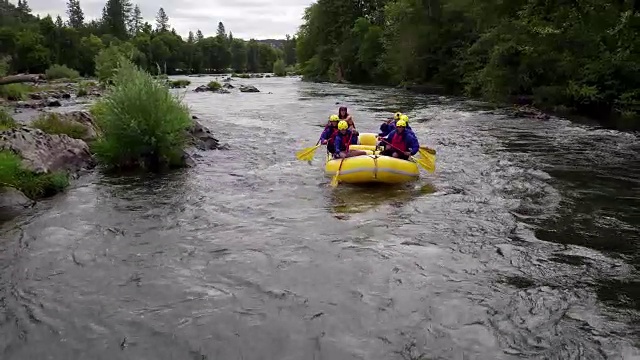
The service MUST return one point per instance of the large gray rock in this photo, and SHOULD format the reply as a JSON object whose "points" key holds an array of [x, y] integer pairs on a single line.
{"points": [[83, 118], [44, 153], [13, 202]]}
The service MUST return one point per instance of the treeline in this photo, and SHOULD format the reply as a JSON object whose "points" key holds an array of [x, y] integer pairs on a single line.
{"points": [[33, 44], [579, 55]]}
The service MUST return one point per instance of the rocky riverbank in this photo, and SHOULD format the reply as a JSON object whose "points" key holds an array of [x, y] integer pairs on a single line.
{"points": [[52, 131]]}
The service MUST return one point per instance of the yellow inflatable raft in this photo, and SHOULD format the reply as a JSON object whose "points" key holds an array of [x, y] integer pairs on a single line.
{"points": [[372, 168]]}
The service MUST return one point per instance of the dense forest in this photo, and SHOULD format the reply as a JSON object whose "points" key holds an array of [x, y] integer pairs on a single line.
{"points": [[579, 55], [32, 44]]}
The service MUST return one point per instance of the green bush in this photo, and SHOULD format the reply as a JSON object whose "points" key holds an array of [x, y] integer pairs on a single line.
{"points": [[61, 72], [180, 83], [214, 85], [82, 91], [54, 125], [6, 121], [34, 186], [107, 61], [14, 92], [142, 124], [291, 70], [279, 68]]}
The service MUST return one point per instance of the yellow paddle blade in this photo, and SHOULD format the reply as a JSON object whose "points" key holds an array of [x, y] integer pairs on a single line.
{"points": [[428, 150], [427, 159], [334, 180], [430, 167], [307, 154]]}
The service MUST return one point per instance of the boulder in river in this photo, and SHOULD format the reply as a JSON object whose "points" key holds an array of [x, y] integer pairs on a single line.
{"points": [[44, 153], [228, 86], [204, 88], [202, 137], [248, 88]]}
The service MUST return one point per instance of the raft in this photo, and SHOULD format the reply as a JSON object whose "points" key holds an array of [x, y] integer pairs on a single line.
{"points": [[373, 167]]}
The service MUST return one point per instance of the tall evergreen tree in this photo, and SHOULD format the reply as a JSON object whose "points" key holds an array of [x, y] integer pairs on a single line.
{"points": [[114, 18], [59, 23], [134, 22], [76, 16], [199, 35], [162, 21], [221, 32]]}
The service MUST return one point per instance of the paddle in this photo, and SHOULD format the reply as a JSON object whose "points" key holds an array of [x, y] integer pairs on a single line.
{"points": [[429, 163], [429, 156], [307, 154], [334, 180]]}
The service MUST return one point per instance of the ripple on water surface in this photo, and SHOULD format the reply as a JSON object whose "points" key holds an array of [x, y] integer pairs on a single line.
{"points": [[522, 244]]}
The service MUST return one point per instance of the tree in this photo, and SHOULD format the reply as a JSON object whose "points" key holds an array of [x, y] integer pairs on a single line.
{"points": [[221, 32], [134, 23], [238, 55], [162, 21], [290, 50], [114, 18], [76, 16], [34, 43]]}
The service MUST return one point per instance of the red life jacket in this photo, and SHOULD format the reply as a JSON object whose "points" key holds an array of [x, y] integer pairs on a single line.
{"points": [[397, 142], [346, 141], [333, 134]]}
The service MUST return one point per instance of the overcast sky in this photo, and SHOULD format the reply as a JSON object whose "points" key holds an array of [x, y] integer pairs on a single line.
{"points": [[259, 19]]}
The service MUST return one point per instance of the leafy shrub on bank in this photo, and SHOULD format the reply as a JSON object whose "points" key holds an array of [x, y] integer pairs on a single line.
{"points": [[279, 68], [61, 72], [14, 92], [142, 123], [6, 121], [54, 125], [108, 60], [34, 186]]}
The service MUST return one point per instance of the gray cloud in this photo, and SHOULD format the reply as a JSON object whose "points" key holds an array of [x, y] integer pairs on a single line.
{"points": [[259, 19]]}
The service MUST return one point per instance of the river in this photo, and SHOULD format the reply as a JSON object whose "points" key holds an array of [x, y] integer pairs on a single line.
{"points": [[523, 244]]}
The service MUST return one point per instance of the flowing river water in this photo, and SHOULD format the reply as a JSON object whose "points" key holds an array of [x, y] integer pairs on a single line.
{"points": [[523, 244]]}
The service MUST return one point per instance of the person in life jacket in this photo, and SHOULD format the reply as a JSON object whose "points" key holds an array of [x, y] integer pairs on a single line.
{"points": [[389, 125], [400, 143], [343, 114], [392, 126], [329, 133], [345, 138]]}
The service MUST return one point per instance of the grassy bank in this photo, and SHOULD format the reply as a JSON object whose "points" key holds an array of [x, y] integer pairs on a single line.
{"points": [[12, 174], [34, 186]]}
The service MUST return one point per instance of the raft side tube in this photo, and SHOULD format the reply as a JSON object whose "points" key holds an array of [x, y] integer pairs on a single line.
{"points": [[373, 169]]}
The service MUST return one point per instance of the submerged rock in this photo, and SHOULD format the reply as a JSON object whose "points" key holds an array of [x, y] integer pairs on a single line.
{"points": [[248, 88], [44, 153], [202, 137]]}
